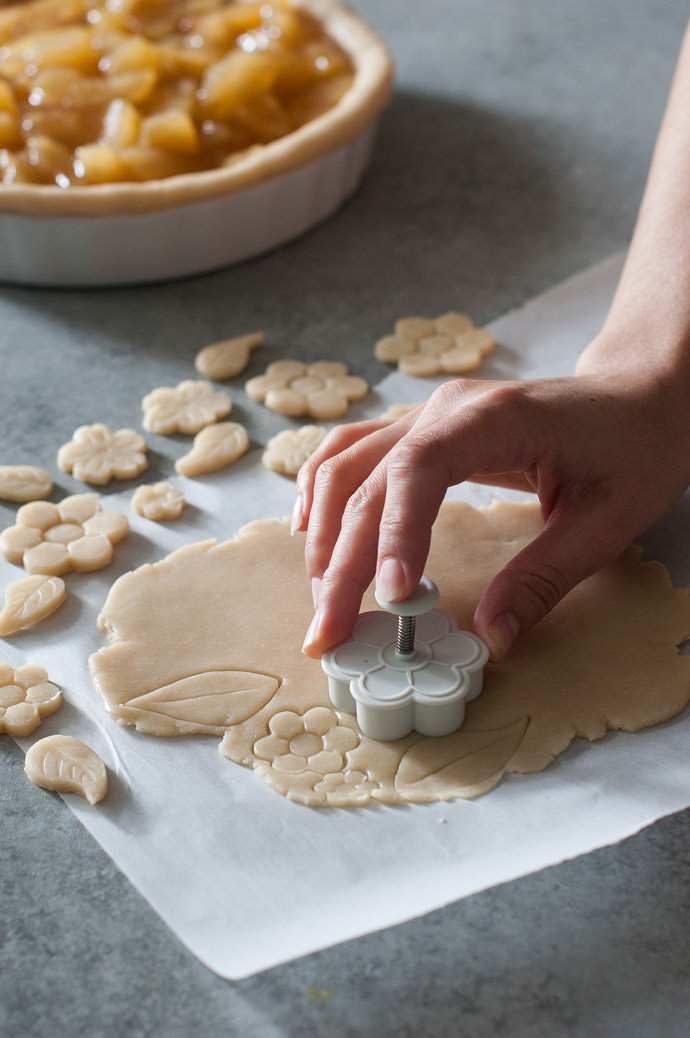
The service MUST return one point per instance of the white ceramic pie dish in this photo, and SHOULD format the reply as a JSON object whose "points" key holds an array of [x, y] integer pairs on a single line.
{"points": [[128, 233]]}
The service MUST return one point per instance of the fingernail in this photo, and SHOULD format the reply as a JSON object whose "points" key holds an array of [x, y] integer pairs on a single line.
{"points": [[313, 632], [297, 515], [501, 635], [315, 590], [390, 582]]}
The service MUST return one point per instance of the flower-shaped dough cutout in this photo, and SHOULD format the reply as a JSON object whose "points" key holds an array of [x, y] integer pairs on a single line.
{"points": [[185, 409], [391, 693], [26, 697], [158, 501], [223, 360], [322, 390], [97, 454], [449, 344], [53, 539], [215, 447], [288, 450]]}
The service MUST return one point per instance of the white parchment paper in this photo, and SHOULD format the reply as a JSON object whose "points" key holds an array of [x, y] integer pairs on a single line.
{"points": [[247, 879]]}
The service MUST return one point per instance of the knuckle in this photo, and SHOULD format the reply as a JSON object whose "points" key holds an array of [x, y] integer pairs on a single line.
{"points": [[545, 585]]}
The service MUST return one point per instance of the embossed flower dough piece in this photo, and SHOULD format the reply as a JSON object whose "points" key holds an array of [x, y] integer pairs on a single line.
{"points": [[96, 454], [223, 360], [26, 697], [73, 535], [322, 390], [208, 640], [214, 448], [449, 344], [158, 501], [185, 409], [24, 483], [288, 450], [67, 765]]}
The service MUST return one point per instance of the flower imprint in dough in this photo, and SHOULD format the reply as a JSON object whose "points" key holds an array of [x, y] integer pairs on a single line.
{"points": [[215, 447], [288, 450], [322, 390], [96, 454], [449, 345], [26, 697], [53, 539], [223, 360], [158, 501], [185, 409], [24, 483]]}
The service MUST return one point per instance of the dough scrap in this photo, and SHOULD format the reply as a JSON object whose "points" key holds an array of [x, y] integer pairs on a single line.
{"points": [[215, 447], [54, 539], [449, 344], [208, 640], [223, 360], [24, 483], [322, 390], [67, 765], [288, 450], [185, 409], [29, 600], [96, 454], [158, 501], [26, 697]]}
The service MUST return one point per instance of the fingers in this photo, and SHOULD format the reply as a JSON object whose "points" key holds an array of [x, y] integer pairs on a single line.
{"points": [[576, 541]]}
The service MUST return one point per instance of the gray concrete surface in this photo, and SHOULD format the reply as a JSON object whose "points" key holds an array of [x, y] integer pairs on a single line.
{"points": [[513, 154]]}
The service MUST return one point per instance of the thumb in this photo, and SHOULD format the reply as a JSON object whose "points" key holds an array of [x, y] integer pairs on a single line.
{"points": [[572, 546]]}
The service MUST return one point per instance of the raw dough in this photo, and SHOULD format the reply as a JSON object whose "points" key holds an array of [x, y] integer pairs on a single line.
{"points": [[158, 501], [53, 539], [67, 765], [29, 600], [26, 697], [96, 454], [208, 640], [185, 409], [288, 450], [214, 448], [24, 483], [223, 360], [322, 390], [449, 344]]}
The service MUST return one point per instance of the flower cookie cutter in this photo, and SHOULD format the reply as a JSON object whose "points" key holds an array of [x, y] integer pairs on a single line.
{"points": [[408, 668]]}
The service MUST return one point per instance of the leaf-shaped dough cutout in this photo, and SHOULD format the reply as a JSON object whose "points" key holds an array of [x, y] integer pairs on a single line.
{"points": [[214, 447], [209, 702], [29, 600], [24, 483], [466, 758], [67, 765]]}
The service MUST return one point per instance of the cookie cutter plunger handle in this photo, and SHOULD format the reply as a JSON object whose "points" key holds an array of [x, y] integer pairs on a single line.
{"points": [[423, 598]]}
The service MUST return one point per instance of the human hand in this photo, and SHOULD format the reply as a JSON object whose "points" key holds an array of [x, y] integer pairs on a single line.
{"points": [[607, 455]]}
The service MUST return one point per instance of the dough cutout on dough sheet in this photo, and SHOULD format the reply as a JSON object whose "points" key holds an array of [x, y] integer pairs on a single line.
{"points": [[209, 640], [288, 450], [97, 454], [30, 600], [215, 447], [26, 698], [186, 408], [159, 502], [449, 345], [224, 360]]}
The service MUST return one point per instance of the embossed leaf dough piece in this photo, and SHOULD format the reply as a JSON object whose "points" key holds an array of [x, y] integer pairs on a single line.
{"points": [[67, 765], [208, 640], [214, 448], [96, 454], [223, 360], [24, 483], [29, 600], [26, 697]]}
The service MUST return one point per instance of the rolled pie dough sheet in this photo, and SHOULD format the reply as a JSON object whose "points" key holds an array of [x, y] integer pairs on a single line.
{"points": [[208, 640]]}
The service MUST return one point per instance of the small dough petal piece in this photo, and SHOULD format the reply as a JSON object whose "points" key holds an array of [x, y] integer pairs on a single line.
{"points": [[223, 360], [288, 450], [67, 765], [214, 448], [415, 327], [392, 347], [24, 483], [29, 600]]}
